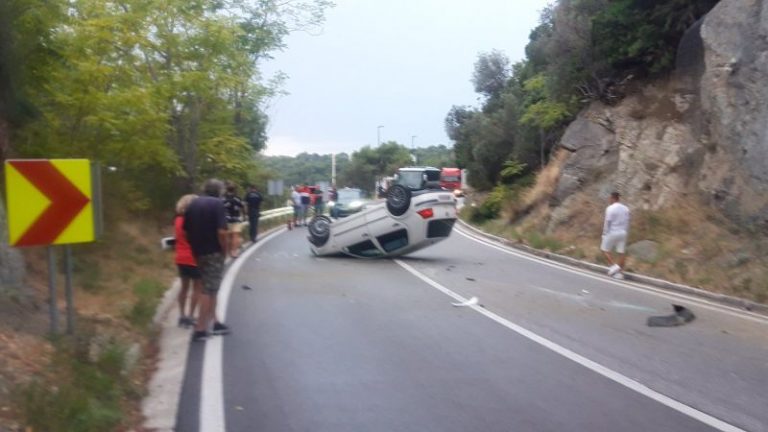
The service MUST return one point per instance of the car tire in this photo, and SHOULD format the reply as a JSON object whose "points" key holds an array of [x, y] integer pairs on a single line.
{"points": [[398, 200], [319, 230]]}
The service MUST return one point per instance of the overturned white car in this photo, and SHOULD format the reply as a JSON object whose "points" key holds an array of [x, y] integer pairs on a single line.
{"points": [[407, 221]]}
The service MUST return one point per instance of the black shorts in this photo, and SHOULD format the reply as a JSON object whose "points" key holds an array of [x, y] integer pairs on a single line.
{"points": [[189, 271]]}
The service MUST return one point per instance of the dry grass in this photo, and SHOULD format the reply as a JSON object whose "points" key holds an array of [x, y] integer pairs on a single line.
{"points": [[697, 245], [106, 276], [541, 190]]}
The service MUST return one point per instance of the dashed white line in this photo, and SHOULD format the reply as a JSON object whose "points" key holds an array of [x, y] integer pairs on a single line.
{"points": [[581, 360]]}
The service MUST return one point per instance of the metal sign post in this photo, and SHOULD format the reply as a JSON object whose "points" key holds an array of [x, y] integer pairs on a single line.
{"points": [[68, 289], [53, 310]]}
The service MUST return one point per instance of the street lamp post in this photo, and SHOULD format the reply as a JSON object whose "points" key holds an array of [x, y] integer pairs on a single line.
{"points": [[378, 134]]}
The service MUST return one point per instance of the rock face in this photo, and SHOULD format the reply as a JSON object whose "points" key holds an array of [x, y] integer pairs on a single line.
{"points": [[734, 99], [702, 133]]}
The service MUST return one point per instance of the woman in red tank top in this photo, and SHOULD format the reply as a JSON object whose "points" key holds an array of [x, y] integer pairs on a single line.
{"points": [[185, 262]]}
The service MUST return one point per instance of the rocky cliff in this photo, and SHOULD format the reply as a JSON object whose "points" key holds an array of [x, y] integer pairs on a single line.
{"points": [[702, 133]]}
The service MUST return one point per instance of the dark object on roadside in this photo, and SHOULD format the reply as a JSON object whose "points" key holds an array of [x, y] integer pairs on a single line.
{"points": [[246, 287], [470, 279], [681, 316]]}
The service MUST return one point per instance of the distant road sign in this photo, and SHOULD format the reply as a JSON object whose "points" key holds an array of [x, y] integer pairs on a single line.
{"points": [[275, 187], [49, 201]]}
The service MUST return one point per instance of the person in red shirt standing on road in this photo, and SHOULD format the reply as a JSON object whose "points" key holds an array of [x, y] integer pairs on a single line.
{"points": [[186, 264]]}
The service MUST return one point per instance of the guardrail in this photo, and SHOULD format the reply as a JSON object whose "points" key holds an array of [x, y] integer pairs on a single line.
{"points": [[168, 243]]}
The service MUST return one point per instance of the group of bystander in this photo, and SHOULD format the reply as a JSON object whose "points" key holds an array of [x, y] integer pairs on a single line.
{"points": [[207, 229]]}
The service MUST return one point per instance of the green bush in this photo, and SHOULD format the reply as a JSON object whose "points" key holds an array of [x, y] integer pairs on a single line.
{"points": [[491, 207], [85, 397], [148, 293]]}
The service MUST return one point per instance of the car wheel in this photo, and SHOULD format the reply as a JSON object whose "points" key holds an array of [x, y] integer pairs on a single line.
{"points": [[319, 230], [398, 200]]}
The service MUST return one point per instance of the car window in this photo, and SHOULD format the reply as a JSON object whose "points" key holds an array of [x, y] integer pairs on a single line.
{"points": [[394, 240], [364, 249], [451, 178], [410, 179], [347, 196]]}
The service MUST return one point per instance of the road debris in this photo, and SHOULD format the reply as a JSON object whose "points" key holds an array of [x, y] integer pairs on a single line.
{"points": [[471, 302], [246, 287], [681, 316], [471, 279]]}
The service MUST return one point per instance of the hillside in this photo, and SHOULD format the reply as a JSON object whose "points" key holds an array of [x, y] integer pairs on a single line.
{"points": [[688, 152]]}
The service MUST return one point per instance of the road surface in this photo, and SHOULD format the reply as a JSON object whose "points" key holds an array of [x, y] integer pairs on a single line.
{"points": [[341, 344]]}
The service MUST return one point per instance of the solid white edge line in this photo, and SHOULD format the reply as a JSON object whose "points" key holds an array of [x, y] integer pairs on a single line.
{"points": [[623, 284], [583, 361], [212, 414]]}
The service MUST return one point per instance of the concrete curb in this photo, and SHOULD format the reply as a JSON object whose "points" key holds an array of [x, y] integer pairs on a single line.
{"points": [[161, 404], [723, 299]]}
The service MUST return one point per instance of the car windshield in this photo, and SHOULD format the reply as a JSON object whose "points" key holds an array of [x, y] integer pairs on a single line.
{"points": [[347, 196], [415, 180]]}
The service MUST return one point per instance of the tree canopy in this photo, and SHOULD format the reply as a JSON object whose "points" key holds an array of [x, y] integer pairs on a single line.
{"points": [[581, 51], [166, 91]]}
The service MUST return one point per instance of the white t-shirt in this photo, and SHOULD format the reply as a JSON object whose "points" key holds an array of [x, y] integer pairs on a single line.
{"points": [[616, 219], [296, 197]]}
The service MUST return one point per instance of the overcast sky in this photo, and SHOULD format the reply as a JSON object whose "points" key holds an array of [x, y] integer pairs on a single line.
{"points": [[400, 64]]}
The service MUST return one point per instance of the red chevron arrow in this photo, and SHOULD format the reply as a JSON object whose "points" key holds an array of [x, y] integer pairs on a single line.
{"points": [[66, 201]]}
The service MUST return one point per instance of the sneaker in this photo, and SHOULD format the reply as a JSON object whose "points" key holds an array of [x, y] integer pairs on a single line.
{"points": [[618, 275], [613, 269], [199, 336], [220, 329], [182, 321]]}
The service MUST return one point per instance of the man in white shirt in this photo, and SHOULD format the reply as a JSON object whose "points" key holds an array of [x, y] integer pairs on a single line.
{"points": [[296, 200], [615, 229]]}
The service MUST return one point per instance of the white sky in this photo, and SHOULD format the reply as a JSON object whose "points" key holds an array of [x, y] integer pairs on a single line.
{"points": [[397, 63]]}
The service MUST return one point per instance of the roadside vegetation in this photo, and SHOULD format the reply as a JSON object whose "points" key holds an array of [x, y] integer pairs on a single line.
{"points": [[162, 94]]}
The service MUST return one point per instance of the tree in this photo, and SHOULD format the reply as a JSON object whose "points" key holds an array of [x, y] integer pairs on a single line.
{"points": [[369, 163], [491, 74]]}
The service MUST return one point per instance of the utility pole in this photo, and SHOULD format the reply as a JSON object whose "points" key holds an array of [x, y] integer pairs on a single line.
{"points": [[413, 150], [378, 134], [333, 169]]}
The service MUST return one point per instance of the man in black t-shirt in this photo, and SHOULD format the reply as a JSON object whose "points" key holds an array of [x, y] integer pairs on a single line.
{"points": [[206, 227], [253, 204]]}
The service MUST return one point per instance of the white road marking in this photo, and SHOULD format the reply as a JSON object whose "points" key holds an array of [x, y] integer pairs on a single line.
{"points": [[581, 360], [624, 284], [471, 302], [212, 415]]}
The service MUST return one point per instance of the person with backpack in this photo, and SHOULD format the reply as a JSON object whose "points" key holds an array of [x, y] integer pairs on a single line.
{"points": [[234, 208]]}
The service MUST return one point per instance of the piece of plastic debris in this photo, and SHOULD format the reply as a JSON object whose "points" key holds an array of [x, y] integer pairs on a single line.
{"points": [[246, 287], [471, 279], [584, 292], [471, 302], [681, 316]]}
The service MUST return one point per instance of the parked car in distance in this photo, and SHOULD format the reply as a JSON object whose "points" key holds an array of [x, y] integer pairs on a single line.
{"points": [[407, 221], [348, 201]]}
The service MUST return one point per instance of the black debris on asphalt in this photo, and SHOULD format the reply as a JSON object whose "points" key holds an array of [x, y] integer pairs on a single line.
{"points": [[471, 279], [681, 316], [246, 287]]}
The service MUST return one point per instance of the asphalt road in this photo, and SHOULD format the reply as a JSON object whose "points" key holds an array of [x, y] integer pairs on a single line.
{"points": [[340, 344]]}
